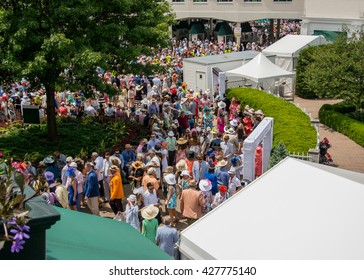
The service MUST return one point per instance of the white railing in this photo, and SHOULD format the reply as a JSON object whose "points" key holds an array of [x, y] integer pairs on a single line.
{"points": [[301, 156]]}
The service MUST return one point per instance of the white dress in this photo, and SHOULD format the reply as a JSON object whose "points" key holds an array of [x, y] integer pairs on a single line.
{"points": [[164, 159]]}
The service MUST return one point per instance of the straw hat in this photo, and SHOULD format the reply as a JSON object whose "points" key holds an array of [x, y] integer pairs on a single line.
{"points": [[115, 159], [140, 87], [114, 167], [205, 185], [181, 165], [221, 163], [181, 141], [139, 190], [259, 112], [128, 146], [137, 164], [149, 212], [170, 179], [192, 183]]}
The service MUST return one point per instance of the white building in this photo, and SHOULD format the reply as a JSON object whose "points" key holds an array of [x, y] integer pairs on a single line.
{"points": [[326, 17], [238, 10]]}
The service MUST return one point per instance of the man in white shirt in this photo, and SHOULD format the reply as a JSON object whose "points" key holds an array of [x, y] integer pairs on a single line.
{"points": [[150, 198], [110, 111], [234, 183], [90, 111], [227, 149]]}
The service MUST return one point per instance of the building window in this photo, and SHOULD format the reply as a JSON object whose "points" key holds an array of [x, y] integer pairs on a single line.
{"points": [[177, 1], [252, 0], [282, 0], [224, 1], [199, 1]]}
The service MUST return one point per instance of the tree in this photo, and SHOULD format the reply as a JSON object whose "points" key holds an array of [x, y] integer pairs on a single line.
{"points": [[337, 71], [279, 153], [59, 43]]}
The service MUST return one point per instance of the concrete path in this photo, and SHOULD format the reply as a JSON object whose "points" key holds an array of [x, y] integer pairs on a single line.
{"points": [[345, 153]]}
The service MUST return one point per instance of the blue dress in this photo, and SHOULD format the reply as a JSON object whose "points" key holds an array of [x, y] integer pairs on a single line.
{"points": [[172, 203], [70, 195]]}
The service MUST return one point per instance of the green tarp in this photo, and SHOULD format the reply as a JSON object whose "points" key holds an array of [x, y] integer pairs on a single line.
{"points": [[80, 236], [330, 36], [197, 28], [223, 29]]}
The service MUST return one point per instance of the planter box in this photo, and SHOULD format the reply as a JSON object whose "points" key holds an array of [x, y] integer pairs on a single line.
{"points": [[42, 217]]}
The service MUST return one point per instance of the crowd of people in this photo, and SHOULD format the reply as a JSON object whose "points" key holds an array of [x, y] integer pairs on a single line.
{"points": [[191, 163]]}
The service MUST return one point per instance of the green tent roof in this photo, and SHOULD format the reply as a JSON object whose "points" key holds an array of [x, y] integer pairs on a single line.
{"points": [[225, 29], [330, 36], [197, 28], [80, 236]]}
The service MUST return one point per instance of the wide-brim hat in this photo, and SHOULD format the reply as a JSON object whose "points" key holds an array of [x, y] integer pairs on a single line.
{"points": [[230, 130], [206, 109], [232, 171], [137, 164], [183, 100], [114, 158], [139, 87], [138, 112], [131, 197], [221, 163], [149, 212], [181, 141], [234, 122], [259, 112], [181, 165], [114, 167], [185, 173], [171, 134], [48, 160], [170, 179], [251, 111], [139, 190], [221, 104], [205, 185], [144, 102], [49, 176]]}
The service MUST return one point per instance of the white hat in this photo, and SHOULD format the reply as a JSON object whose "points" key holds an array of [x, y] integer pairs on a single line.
{"points": [[149, 212], [221, 104], [170, 179], [208, 128], [198, 129], [73, 164], [171, 134], [185, 173], [139, 190], [94, 154], [69, 159], [183, 100], [131, 197], [205, 185], [234, 122], [230, 131], [151, 171], [232, 171], [259, 112], [138, 112]]}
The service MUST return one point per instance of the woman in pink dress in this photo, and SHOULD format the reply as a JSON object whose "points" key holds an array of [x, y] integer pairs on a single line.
{"points": [[221, 123], [258, 161]]}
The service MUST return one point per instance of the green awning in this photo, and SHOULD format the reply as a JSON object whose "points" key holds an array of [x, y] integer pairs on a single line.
{"points": [[81, 236], [330, 36], [225, 29], [197, 28]]}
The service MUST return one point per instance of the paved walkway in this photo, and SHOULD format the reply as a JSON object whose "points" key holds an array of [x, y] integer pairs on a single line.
{"points": [[345, 153]]}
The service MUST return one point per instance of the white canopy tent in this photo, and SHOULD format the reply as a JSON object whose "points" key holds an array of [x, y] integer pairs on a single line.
{"points": [[261, 71], [298, 210], [288, 48]]}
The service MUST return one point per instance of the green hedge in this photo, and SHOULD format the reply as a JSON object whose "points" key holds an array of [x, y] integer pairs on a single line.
{"points": [[336, 120], [291, 125]]}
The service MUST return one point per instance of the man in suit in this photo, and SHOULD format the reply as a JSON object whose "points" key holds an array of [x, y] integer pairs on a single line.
{"points": [[91, 189], [199, 168]]}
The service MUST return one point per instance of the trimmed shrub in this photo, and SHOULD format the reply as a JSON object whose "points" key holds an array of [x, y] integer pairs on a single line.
{"points": [[341, 123], [291, 125]]}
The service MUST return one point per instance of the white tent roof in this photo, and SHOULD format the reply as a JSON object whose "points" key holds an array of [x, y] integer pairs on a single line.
{"points": [[291, 45], [296, 210], [259, 69]]}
